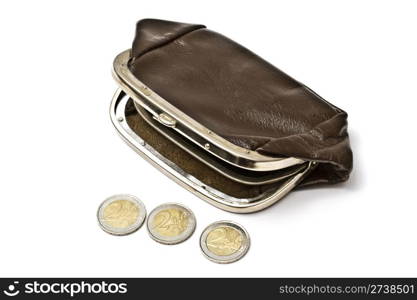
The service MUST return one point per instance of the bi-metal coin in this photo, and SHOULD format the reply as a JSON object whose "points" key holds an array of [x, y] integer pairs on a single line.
{"points": [[171, 223], [224, 242], [121, 214]]}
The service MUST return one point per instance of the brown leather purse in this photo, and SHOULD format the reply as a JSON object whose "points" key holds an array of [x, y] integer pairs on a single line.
{"points": [[221, 121]]}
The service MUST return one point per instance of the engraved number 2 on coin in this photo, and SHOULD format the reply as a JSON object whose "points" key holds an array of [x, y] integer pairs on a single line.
{"points": [[171, 222], [224, 241]]}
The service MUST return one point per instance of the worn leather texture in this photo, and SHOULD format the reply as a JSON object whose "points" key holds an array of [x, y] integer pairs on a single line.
{"points": [[243, 98]]}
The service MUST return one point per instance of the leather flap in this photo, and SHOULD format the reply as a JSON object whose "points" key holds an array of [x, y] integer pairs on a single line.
{"points": [[241, 97]]}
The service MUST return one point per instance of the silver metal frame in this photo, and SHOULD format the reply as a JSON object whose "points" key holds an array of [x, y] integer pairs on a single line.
{"points": [[192, 184], [170, 116], [256, 178]]}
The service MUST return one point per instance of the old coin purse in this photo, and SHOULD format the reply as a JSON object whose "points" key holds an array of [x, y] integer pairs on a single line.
{"points": [[221, 121]]}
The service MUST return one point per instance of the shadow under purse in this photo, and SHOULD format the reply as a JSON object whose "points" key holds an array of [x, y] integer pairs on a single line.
{"points": [[221, 121]]}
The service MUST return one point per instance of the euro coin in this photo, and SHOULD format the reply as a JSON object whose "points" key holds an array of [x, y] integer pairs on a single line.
{"points": [[224, 242], [171, 223], [121, 214]]}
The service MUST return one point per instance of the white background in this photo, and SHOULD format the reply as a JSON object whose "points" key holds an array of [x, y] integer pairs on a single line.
{"points": [[60, 155]]}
